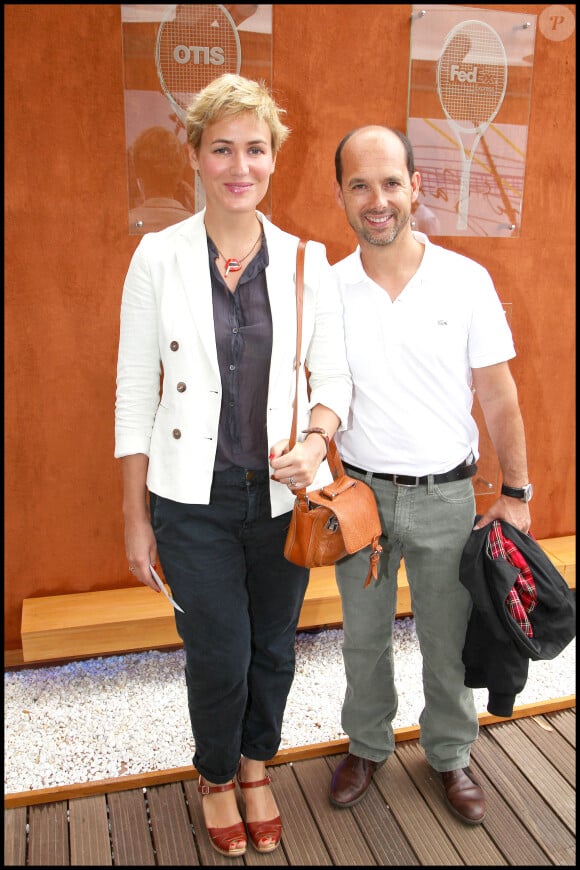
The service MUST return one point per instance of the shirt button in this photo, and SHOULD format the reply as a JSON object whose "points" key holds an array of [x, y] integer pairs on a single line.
{"points": [[181, 387], [232, 368], [174, 345], [235, 330], [176, 434]]}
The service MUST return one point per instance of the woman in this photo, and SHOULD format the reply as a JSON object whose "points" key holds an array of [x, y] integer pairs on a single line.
{"points": [[210, 305]]}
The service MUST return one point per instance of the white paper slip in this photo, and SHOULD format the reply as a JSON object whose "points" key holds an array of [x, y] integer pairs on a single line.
{"points": [[159, 582]]}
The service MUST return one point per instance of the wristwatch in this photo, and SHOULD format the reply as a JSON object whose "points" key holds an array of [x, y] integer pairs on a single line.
{"points": [[525, 492]]}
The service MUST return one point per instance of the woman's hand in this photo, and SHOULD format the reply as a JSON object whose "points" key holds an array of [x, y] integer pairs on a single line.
{"points": [[141, 550], [297, 467]]}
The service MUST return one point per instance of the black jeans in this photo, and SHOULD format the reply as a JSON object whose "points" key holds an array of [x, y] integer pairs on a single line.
{"points": [[242, 600]]}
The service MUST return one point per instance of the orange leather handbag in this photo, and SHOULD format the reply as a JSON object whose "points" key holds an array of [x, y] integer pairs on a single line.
{"points": [[342, 517]]}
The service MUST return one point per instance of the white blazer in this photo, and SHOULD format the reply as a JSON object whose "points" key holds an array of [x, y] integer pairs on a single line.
{"points": [[167, 331]]}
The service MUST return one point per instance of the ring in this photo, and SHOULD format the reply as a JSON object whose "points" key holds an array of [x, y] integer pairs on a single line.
{"points": [[290, 481]]}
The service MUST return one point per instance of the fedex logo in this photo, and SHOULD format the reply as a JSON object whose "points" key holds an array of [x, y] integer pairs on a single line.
{"points": [[461, 75]]}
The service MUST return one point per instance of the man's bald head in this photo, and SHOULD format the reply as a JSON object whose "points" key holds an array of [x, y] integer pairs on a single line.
{"points": [[370, 133]]}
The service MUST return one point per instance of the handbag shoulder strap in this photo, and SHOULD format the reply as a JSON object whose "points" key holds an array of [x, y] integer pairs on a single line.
{"points": [[299, 301], [333, 456], [334, 460]]}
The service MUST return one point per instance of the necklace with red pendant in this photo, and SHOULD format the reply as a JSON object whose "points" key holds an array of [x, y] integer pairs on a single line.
{"points": [[234, 264]]}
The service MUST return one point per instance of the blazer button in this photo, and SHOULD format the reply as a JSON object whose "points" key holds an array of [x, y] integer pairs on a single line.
{"points": [[176, 434], [181, 387], [174, 345]]}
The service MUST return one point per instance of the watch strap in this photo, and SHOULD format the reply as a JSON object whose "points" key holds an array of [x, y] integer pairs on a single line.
{"points": [[523, 492]]}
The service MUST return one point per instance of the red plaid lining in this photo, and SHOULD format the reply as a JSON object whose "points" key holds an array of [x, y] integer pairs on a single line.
{"points": [[522, 598]]}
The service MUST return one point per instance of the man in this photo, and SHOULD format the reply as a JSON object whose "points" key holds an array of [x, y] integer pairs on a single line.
{"points": [[425, 330]]}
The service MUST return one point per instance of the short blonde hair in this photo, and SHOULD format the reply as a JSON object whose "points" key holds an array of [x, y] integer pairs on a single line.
{"points": [[231, 95]]}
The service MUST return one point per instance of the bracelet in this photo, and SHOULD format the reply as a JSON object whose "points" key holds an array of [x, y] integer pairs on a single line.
{"points": [[316, 430]]}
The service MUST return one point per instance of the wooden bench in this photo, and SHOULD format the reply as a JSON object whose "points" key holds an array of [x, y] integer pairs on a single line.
{"points": [[118, 621]]}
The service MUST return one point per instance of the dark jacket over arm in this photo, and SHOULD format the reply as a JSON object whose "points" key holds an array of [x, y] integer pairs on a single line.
{"points": [[497, 652]]}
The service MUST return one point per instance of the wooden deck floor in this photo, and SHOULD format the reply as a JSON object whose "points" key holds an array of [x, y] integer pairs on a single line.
{"points": [[527, 767]]}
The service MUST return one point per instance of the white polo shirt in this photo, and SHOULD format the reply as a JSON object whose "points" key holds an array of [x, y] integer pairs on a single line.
{"points": [[411, 361]]}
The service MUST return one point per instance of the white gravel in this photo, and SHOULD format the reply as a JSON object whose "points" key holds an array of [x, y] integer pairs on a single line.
{"points": [[107, 717]]}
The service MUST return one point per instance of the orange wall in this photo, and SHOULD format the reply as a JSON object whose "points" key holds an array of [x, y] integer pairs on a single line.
{"points": [[67, 250]]}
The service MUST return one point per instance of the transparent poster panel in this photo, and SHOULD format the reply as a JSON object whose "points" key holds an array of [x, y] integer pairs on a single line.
{"points": [[170, 52], [470, 88]]}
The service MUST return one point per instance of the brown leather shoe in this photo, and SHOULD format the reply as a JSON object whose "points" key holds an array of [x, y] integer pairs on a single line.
{"points": [[351, 779], [464, 795]]}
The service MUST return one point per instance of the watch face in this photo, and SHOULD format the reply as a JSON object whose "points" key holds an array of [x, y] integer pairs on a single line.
{"points": [[528, 492]]}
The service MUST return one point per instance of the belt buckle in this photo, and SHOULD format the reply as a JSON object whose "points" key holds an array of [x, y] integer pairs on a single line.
{"points": [[407, 485]]}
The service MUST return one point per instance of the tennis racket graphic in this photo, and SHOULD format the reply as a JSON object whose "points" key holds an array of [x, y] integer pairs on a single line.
{"points": [[196, 43], [471, 84]]}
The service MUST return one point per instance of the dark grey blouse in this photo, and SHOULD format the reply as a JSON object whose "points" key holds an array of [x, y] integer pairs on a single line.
{"points": [[243, 330]]}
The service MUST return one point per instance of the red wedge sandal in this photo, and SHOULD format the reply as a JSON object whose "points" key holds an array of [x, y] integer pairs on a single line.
{"points": [[271, 830], [224, 840]]}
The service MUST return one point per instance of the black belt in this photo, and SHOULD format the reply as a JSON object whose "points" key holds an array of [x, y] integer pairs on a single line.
{"points": [[460, 473]]}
